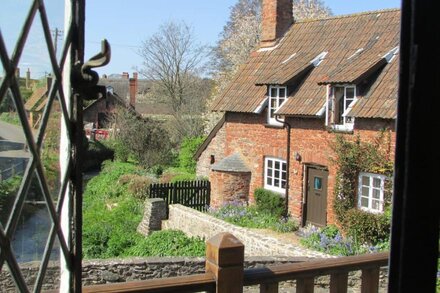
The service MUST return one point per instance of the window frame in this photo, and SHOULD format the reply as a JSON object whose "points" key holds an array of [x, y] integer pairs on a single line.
{"points": [[371, 188], [345, 125], [272, 120], [272, 186]]}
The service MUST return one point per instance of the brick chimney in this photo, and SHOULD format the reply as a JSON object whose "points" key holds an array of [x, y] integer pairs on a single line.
{"points": [[133, 89], [125, 75], [28, 79], [48, 82], [277, 18]]}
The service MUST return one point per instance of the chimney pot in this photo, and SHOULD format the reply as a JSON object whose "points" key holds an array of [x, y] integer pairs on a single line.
{"points": [[277, 18]]}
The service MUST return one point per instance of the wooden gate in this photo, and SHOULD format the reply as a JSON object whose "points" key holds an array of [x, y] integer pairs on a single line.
{"points": [[316, 197], [194, 194]]}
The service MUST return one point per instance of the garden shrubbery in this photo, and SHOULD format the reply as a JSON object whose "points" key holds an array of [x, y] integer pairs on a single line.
{"points": [[112, 210], [269, 202]]}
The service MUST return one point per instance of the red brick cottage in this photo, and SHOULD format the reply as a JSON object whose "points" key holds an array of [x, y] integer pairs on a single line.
{"points": [[308, 79]]}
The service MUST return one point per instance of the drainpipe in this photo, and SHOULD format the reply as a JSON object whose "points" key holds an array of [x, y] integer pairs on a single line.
{"points": [[288, 127]]}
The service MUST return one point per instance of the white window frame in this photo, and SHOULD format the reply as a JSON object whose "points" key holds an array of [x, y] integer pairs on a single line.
{"points": [[347, 122], [276, 98], [271, 175], [371, 189]]}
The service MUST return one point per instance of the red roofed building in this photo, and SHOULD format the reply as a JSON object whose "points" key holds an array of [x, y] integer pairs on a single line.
{"points": [[317, 78]]}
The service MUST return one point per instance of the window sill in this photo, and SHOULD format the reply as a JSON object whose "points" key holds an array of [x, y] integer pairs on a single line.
{"points": [[341, 129], [267, 125]]}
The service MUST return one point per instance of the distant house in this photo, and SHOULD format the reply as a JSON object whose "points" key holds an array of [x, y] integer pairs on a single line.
{"points": [[316, 78], [122, 91], [36, 103]]}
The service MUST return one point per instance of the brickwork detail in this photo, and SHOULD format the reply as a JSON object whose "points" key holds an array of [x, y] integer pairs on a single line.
{"points": [[227, 187], [154, 213], [248, 135], [215, 149]]}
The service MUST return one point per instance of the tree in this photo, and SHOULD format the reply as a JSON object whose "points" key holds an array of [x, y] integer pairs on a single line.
{"points": [[144, 139], [174, 59]]}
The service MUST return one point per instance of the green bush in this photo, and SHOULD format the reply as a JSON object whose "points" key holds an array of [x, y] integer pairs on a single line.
{"points": [[367, 227], [168, 243], [269, 202], [138, 185], [187, 150], [95, 154]]}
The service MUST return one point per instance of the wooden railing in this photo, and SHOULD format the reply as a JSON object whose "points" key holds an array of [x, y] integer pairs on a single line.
{"points": [[225, 273]]}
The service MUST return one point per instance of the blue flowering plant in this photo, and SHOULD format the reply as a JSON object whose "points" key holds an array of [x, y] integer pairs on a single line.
{"points": [[242, 215], [330, 240]]}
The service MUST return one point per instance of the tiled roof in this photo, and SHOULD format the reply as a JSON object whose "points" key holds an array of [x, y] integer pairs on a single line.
{"points": [[342, 37], [232, 163], [35, 99]]}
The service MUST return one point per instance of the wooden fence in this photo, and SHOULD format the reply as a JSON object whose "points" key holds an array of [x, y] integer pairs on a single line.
{"points": [[225, 273], [193, 194]]}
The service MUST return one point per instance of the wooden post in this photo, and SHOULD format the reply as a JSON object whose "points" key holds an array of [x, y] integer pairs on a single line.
{"points": [[224, 259], [370, 280], [339, 282], [305, 285]]}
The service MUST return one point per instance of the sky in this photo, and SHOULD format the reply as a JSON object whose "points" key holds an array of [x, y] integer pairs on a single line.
{"points": [[125, 24]]}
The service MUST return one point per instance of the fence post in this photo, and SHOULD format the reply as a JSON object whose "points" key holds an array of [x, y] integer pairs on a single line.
{"points": [[224, 259]]}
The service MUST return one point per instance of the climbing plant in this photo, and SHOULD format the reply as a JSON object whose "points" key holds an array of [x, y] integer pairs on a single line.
{"points": [[350, 158]]}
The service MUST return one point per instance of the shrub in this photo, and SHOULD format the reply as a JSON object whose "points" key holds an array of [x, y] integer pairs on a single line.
{"points": [[328, 240], [187, 150], [269, 202], [168, 243], [138, 186], [95, 154], [366, 227]]}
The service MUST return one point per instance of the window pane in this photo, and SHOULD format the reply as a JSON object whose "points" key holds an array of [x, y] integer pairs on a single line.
{"points": [[349, 93], [277, 165], [269, 163], [273, 103], [376, 182], [365, 191], [283, 175], [283, 183], [284, 166], [269, 172], [375, 205], [280, 102], [276, 183], [277, 174], [364, 202], [317, 183], [366, 180], [282, 92], [273, 92], [269, 181], [376, 193]]}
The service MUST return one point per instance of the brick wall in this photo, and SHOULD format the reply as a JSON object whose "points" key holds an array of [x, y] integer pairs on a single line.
{"points": [[227, 187], [247, 134], [216, 149]]}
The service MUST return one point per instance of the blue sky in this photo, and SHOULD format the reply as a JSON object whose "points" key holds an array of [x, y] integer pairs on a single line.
{"points": [[126, 23]]}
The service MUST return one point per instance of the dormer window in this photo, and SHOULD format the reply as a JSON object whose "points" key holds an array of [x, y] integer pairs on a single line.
{"points": [[277, 96], [342, 98]]}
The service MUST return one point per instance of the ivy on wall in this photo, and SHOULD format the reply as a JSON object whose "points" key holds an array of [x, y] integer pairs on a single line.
{"points": [[351, 158]]}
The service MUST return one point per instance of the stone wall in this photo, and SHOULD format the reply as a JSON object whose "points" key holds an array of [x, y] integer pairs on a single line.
{"points": [[155, 211], [97, 272], [197, 224]]}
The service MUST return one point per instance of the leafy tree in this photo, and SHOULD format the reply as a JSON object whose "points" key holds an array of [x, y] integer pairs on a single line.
{"points": [[144, 140]]}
